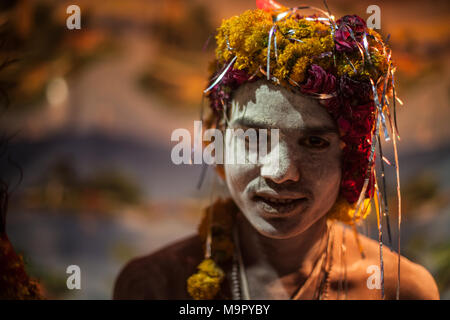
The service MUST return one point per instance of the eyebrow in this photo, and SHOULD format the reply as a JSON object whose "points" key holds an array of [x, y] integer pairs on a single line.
{"points": [[308, 130], [319, 130], [249, 123]]}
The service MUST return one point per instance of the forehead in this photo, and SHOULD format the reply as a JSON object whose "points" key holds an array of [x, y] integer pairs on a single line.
{"points": [[267, 105]]}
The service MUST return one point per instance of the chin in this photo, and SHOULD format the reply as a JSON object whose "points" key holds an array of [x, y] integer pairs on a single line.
{"points": [[280, 227]]}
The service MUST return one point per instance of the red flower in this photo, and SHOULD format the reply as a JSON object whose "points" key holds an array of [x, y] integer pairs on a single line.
{"points": [[343, 38], [353, 110], [318, 81], [348, 184], [349, 190], [236, 77], [355, 92], [356, 23], [221, 93]]}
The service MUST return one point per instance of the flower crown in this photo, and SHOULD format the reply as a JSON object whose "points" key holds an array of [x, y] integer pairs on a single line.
{"points": [[344, 64]]}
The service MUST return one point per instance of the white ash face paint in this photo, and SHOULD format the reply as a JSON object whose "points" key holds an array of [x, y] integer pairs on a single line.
{"points": [[282, 201]]}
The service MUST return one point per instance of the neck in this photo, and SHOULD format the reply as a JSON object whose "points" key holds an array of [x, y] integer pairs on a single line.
{"points": [[284, 256]]}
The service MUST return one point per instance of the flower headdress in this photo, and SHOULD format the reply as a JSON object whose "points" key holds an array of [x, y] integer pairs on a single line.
{"points": [[344, 64]]}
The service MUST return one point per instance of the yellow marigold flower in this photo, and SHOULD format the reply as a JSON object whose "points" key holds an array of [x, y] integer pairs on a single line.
{"points": [[247, 37], [299, 70], [299, 44], [205, 284], [343, 211]]}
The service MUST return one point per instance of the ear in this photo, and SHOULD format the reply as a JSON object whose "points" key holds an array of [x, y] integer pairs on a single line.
{"points": [[220, 169]]}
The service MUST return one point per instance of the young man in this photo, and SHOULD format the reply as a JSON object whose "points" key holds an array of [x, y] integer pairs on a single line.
{"points": [[280, 235], [281, 243]]}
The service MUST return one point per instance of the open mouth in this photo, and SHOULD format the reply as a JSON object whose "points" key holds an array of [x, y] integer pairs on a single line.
{"points": [[279, 206]]}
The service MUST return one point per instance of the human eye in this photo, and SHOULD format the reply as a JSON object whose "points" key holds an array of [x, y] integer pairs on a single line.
{"points": [[315, 142]]}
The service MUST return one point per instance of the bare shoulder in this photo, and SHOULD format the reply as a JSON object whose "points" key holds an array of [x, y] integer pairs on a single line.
{"points": [[162, 274], [416, 282]]}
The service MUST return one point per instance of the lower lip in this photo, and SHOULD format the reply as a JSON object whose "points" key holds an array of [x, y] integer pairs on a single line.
{"points": [[281, 209]]}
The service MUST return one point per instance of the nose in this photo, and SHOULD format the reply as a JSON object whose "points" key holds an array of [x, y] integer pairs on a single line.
{"points": [[279, 165]]}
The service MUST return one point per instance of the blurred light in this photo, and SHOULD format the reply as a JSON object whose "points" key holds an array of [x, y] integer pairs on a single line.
{"points": [[57, 92]]}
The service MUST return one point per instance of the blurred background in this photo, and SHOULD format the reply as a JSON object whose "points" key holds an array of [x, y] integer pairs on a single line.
{"points": [[91, 113]]}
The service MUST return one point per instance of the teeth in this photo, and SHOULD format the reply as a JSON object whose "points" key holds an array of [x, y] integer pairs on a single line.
{"points": [[274, 200]]}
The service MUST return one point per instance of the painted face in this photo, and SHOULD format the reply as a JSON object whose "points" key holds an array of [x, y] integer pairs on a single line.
{"points": [[283, 199]]}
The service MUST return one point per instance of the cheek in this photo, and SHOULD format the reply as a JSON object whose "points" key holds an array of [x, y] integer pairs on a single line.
{"points": [[322, 170], [238, 176]]}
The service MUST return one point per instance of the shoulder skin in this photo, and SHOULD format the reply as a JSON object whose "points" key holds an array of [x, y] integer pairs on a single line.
{"points": [[416, 283]]}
